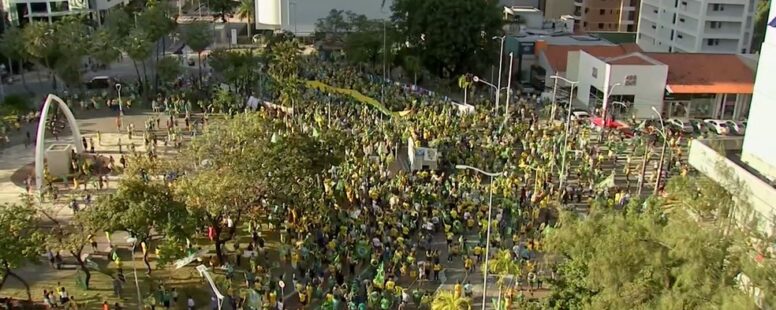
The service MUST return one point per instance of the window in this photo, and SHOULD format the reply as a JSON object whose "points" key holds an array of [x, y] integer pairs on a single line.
{"points": [[712, 42], [631, 15], [654, 11], [631, 28], [679, 36], [681, 20], [717, 7], [684, 3], [602, 11], [630, 80], [654, 27], [595, 72], [584, 24], [600, 25], [39, 7], [715, 25], [587, 10]]}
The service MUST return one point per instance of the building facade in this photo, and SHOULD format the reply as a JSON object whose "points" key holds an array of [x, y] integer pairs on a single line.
{"points": [[606, 15], [677, 85], [696, 26], [20, 12], [761, 127]]}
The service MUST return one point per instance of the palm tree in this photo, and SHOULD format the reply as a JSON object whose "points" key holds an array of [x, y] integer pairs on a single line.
{"points": [[245, 11], [465, 83], [447, 300], [503, 264]]}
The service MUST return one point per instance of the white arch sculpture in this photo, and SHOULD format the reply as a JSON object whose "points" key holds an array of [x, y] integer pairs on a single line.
{"points": [[41, 138]]}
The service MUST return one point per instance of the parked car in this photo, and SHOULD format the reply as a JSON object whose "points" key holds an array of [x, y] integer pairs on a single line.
{"points": [[699, 126], [101, 82], [579, 115], [680, 125], [717, 126], [737, 128]]}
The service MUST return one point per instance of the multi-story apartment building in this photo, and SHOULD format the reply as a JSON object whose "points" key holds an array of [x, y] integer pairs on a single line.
{"points": [[696, 26], [606, 15]]}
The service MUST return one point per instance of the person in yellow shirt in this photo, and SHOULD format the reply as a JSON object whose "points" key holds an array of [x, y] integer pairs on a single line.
{"points": [[468, 264], [478, 253], [390, 285], [458, 289]]}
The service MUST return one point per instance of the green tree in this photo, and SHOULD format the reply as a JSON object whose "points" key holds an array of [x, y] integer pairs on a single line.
{"points": [[333, 24], [284, 69], [223, 7], [103, 46], [760, 24], [12, 45], [644, 259], [118, 21], [454, 35], [139, 49], [198, 36], [240, 69], [40, 43], [447, 300], [246, 11], [144, 209], [169, 69], [158, 24], [73, 40], [20, 241], [72, 237], [504, 265]]}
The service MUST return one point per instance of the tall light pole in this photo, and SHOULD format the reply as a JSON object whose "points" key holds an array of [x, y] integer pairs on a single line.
{"points": [[133, 241], [605, 105], [568, 124], [662, 151], [500, 64], [490, 215], [509, 86], [121, 106]]}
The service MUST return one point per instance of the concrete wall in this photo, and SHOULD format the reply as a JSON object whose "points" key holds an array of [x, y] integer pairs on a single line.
{"points": [[648, 91], [759, 150], [749, 188]]}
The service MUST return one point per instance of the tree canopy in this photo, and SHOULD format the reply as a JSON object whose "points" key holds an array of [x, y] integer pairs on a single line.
{"points": [[453, 35], [650, 257]]}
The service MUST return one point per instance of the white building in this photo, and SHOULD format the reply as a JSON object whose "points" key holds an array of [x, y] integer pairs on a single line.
{"points": [[678, 85], [26, 11], [759, 151], [747, 167], [696, 26]]}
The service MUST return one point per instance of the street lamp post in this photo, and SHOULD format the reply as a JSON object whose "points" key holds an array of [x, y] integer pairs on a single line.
{"points": [[477, 79], [662, 152], [500, 64], [121, 106], [133, 241], [605, 106], [562, 177], [509, 86], [487, 237]]}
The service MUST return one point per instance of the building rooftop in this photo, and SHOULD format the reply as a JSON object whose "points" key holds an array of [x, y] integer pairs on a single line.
{"points": [[633, 59], [557, 54], [699, 73], [615, 37]]}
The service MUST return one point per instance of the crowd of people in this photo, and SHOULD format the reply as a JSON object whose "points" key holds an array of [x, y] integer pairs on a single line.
{"points": [[402, 229]]}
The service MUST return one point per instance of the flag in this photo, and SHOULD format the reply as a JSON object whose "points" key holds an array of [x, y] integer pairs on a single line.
{"points": [[107, 236], [380, 276], [772, 23], [606, 183]]}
